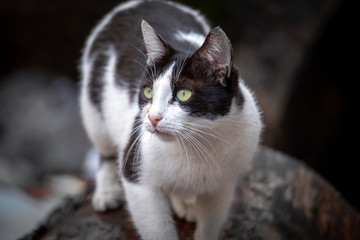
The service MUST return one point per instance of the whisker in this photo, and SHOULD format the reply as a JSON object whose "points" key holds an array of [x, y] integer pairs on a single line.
{"points": [[198, 147], [187, 157], [143, 54], [218, 137], [204, 150], [145, 68], [153, 70], [137, 159], [197, 132], [135, 130], [183, 63], [126, 158]]}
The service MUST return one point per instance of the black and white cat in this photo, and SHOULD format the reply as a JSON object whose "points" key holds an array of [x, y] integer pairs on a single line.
{"points": [[161, 96]]}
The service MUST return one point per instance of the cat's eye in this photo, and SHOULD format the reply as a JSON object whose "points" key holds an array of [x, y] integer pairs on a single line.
{"points": [[148, 93], [183, 94]]}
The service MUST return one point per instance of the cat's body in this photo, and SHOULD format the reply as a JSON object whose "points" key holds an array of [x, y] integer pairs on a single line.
{"points": [[179, 120]]}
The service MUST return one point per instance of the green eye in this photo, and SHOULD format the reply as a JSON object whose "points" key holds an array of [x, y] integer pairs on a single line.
{"points": [[148, 93], [183, 94]]}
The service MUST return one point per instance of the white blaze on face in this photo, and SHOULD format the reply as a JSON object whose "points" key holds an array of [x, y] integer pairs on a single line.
{"points": [[162, 93]]}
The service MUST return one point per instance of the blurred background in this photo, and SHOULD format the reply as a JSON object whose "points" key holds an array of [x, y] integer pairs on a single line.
{"points": [[295, 55]]}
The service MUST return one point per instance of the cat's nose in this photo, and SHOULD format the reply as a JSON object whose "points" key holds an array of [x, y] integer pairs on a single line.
{"points": [[154, 119]]}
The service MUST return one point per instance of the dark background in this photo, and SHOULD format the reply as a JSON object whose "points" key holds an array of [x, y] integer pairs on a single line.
{"points": [[297, 55]]}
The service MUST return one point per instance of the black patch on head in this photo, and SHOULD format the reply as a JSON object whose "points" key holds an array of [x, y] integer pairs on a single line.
{"points": [[211, 98], [210, 74], [210, 101], [131, 168]]}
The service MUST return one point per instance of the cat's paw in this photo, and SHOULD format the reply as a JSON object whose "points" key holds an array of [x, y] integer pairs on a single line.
{"points": [[107, 199], [184, 208]]}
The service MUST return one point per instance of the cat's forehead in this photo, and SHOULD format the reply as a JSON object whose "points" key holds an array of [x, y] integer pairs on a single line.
{"points": [[181, 72], [166, 76], [164, 67]]}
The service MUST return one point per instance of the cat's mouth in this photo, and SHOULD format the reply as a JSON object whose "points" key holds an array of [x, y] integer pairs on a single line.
{"points": [[162, 134]]}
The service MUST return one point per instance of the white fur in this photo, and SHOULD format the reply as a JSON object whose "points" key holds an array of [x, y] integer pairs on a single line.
{"points": [[211, 211], [108, 192], [93, 123], [161, 97], [150, 212], [184, 206], [191, 37], [119, 111], [184, 166]]}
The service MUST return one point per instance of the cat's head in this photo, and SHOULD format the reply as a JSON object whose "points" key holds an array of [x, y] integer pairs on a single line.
{"points": [[184, 92]]}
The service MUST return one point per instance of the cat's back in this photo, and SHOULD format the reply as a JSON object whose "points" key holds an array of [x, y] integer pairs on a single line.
{"points": [[121, 27], [119, 34]]}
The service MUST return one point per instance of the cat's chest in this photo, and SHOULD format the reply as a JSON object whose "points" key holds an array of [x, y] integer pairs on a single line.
{"points": [[174, 167]]}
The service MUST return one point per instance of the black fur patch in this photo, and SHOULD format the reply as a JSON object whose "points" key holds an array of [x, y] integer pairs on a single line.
{"points": [[210, 98], [95, 87], [107, 159], [210, 101]]}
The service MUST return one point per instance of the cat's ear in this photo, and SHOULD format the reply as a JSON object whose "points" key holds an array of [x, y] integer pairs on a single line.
{"points": [[155, 46], [217, 52]]}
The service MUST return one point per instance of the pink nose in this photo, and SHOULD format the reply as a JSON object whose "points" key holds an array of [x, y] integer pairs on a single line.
{"points": [[154, 119]]}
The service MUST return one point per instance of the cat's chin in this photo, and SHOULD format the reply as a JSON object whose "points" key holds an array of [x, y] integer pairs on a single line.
{"points": [[166, 137]]}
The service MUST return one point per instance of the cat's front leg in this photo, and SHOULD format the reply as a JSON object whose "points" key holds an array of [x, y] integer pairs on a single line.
{"points": [[108, 192], [150, 211], [184, 206], [211, 212]]}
